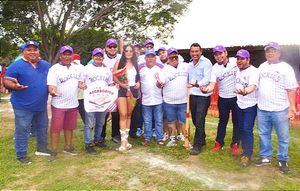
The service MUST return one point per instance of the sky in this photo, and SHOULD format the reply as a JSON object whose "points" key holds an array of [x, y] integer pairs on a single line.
{"points": [[237, 22]]}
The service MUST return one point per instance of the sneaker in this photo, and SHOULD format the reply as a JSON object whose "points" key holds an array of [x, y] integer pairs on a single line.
{"points": [[171, 143], [262, 162], [139, 132], [145, 143], [245, 161], [70, 150], [217, 147], [235, 149], [89, 149], [24, 160], [160, 142], [116, 140], [283, 166], [166, 137], [45, 152], [195, 151], [180, 137], [52, 156], [100, 144]]}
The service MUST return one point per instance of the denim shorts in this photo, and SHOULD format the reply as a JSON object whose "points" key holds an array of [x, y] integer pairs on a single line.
{"points": [[175, 112]]}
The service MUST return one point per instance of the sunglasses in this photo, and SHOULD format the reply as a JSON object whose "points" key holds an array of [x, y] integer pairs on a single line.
{"points": [[149, 47], [173, 57], [110, 47]]}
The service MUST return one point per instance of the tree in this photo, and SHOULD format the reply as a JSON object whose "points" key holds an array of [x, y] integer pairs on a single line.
{"points": [[54, 21]]}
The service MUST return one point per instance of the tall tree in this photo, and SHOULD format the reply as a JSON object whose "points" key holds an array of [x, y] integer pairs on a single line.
{"points": [[54, 21]]}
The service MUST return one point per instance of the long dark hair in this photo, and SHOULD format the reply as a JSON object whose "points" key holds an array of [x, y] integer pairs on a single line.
{"points": [[134, 60]]}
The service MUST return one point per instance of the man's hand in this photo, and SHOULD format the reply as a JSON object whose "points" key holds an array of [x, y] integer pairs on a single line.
{"points": [[82, 85], [242, 92], [292, 113], [53, 92], [13, 84], [159, 84]]}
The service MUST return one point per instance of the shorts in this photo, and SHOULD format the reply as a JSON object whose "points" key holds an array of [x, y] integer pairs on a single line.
{"points": [[135, 92], [63, 119], [175, 112]]}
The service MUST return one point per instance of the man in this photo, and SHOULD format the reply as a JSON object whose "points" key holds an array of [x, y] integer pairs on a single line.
{"points": [[26, 78], [62, 82], [152, 108], [163, 56], [100, 75], [224, 73], [174, 80], [148, 45], [199, 75], [276, 106], [246, 83]]}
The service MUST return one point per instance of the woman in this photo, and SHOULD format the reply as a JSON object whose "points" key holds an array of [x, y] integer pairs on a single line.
{"points": [[127, 87]]}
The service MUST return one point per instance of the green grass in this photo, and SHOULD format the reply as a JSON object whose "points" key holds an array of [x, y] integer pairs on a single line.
{"points": [[115, 171]]}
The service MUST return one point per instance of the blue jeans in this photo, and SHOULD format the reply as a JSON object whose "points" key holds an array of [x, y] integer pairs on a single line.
{"points": [[175, 112], [153, 112], [266, 121], [92, 119], [23, 124], [246, 118], [225, 105]]}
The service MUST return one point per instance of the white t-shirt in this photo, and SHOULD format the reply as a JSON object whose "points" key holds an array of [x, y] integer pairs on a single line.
{"points": [[175, 83], [225, 76], [100, 75], [245, 78], [110, 62], [151, 94], [274, 80], [66, 80], [131, 75]]}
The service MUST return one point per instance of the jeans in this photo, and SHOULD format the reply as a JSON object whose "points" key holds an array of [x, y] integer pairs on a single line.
{"points": [[153, 112], [225, 105], [246, 119], [199, 106], [23, 124], [115, 125], [266, 121], [93, 119]]}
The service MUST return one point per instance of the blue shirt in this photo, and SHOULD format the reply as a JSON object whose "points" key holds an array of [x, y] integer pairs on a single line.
{"points": [[35, 97], [200, 72]]}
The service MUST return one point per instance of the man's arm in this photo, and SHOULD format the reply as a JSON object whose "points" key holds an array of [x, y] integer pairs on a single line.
{"points": [[292, 100], [13, 84]]}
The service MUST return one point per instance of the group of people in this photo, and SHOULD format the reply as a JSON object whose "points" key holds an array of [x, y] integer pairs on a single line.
{"points": [[159, 81]]}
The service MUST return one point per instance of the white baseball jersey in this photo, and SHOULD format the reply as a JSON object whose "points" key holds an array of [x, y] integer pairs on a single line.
{"points": [[110, 62], [175, 83], [100, 75], [245, 78], [274, 80], [151, 94], [66, 81], [225, 76]]}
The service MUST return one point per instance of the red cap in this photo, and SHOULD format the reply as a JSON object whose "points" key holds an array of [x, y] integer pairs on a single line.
{"points": [[76, 57]]}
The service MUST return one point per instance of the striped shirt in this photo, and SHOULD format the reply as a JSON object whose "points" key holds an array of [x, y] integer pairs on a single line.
{"points": [[151, 94], [175, 82], [274, 80], [92, 74], [225, 76], [245, 78], [66, 80]]}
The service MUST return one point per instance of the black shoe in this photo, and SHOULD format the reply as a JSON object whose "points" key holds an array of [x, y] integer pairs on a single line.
{"points": [[262, 162], [116, 140], [52, 156], [195, 151], [89, 149], [283, 166], [133, 136], [24, 160], [100, 144], [43, 152]]}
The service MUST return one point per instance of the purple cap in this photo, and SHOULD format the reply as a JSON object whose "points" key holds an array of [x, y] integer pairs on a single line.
{"points": [[243, 53], [136, 45], [150, 52], [148, 41], [161, 49], [274, 45], [172, 50], [66, 48], [219, 48], [97, 51], [31, 42], [111, 41]]}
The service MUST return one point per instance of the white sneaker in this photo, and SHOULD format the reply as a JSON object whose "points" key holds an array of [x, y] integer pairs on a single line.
{"points": [[171, 143], [180, 137], [166, 137]]}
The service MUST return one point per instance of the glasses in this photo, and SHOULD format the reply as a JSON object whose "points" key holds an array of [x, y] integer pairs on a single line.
{"points": [[173, 57], [149, 47], [110, 47]]}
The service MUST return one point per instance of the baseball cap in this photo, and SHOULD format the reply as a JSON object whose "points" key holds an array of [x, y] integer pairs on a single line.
{"points": [[22, 47], [219, 48], [148, 41], [150, 52], [97, 51], [76, 57], [66, 48], [161, 48], [274, 45], [31, 42], [172, 50], [111, 41], [243, 53], [136, 45]]}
